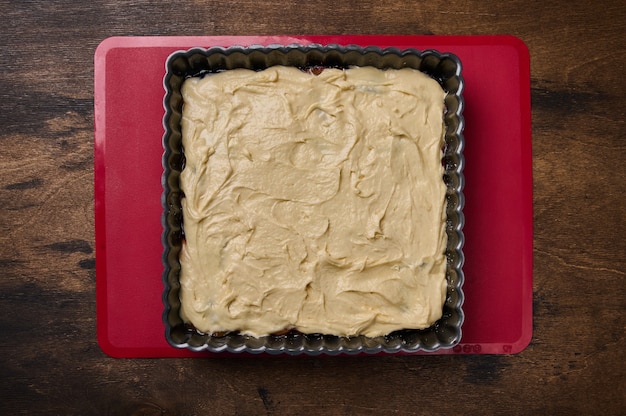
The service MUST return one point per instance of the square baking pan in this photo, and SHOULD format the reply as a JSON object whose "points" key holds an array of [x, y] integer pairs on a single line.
{"points": [[445, 68]]}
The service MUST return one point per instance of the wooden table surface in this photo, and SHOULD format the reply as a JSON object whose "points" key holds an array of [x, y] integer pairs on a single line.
{"points": [[50, 361]]}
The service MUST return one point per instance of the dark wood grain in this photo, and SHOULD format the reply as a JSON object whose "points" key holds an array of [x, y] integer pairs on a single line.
{"points": [[49, 358]]}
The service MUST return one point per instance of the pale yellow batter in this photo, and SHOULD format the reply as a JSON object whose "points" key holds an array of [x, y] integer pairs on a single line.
{"points": [[313, 202]]}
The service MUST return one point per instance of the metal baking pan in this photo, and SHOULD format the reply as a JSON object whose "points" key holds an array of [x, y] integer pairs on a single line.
{"points": [[443, 67]]}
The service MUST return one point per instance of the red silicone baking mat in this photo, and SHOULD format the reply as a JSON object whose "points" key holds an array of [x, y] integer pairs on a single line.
{"points": [[128, 100]]}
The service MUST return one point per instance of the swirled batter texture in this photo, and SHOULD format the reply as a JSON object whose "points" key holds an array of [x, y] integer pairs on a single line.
{"points": [[313, 202]]}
